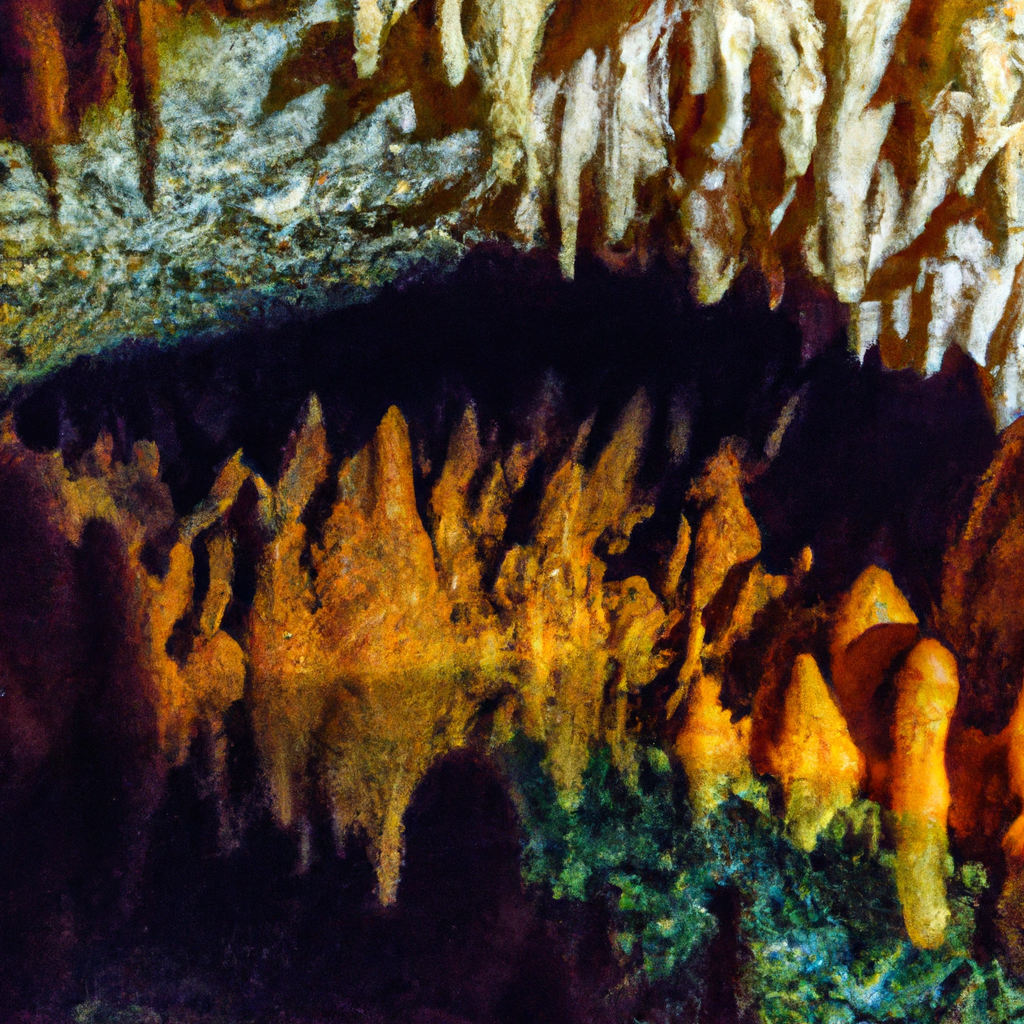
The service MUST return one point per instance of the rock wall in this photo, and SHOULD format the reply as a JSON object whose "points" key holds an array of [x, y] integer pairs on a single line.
{"points": [[868, 150]]}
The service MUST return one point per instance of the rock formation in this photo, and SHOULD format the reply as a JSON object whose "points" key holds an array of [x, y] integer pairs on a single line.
{"points": [[375, 639], [867, 152]]}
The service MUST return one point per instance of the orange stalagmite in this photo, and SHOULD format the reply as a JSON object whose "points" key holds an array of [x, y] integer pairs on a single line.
{"points": [[727, 536], [714, 750], [373, 647], [132, 500], [677, 563], [561, 610], [405, 683], [927, 688], [638, 622], [983, 587], [818, 764], [288, 679], [873, 624], [759, 589], [214, 671], [463, 533], [374, 642]]}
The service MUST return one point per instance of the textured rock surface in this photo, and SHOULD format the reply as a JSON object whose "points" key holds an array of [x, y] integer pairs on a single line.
{"points": [[309, 151]]}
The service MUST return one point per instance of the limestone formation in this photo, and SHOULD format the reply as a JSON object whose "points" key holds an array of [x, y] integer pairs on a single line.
{"points": [[927, 690], [869, 149], [818, 764]]}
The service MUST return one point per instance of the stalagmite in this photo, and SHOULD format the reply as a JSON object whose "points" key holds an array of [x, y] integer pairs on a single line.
{"points": [[399, 671], [872, 625], [726, 537], [814, 757], [926, 694], [377, 642], [1013, 738], [713, 750], [563, 614], [1011, 901], [288, 665]]}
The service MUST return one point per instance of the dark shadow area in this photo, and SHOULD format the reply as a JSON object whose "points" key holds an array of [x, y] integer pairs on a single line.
{"points": [[503, 331], [247, 936], [876, 465]]}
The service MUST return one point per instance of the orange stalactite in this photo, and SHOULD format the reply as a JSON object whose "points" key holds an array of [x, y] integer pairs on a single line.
{"points": [[37, 40], [65, 56]]}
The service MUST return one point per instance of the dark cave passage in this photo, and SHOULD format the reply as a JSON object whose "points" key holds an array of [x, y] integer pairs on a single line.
{"points": [[247, 934]]}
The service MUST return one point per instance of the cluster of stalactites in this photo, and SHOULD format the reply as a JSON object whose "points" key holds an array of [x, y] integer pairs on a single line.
{"points": [[872, 145]]}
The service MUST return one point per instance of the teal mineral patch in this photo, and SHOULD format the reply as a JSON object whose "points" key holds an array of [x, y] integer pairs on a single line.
{"points": [[819, 937]]}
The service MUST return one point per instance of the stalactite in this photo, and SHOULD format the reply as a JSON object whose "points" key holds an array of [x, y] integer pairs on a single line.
{"points": [[871, 147]]}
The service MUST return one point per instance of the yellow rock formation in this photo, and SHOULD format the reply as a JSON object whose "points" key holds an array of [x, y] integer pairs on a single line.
{"points": [[818, 764], [132, 500], [374, 640], [713, 750], [726, 537], [575, 635], [873, 624]]}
